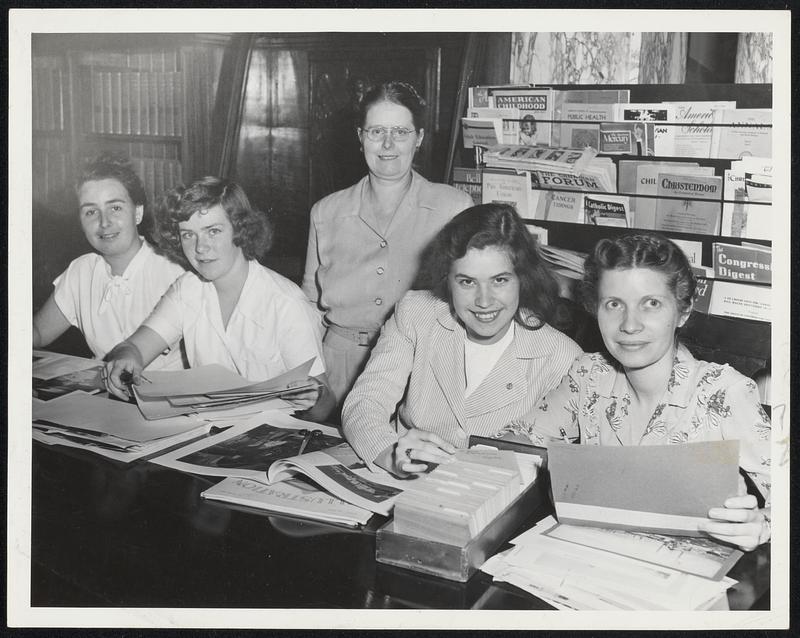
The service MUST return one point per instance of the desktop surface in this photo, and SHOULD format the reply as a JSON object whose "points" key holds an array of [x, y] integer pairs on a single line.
{"points": [[111, 535]]}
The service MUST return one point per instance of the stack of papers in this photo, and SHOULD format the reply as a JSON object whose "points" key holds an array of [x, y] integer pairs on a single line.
{"points": [[165, 394], [628, 535], [456, 501], [108, 427], [585, 568], [55, 375]]}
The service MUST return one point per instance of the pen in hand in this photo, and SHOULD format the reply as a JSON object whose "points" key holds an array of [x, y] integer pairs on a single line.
{"points": [[564, 435]]}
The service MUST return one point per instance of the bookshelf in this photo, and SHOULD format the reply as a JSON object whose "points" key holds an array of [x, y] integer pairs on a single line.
{"points": [[124, 100], [165, 132], [745, 344], [50, 115], [133, 101]]}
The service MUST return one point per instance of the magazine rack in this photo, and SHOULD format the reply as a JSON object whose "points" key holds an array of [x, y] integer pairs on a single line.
{"points": [[742, 343]]}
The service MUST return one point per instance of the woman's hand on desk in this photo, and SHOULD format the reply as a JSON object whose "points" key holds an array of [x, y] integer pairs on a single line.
{"points": [[415, 449], [739, 522], [123, 367]]}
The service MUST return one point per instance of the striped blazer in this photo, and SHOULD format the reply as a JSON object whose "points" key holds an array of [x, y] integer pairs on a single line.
{"points": [[415, 378]]}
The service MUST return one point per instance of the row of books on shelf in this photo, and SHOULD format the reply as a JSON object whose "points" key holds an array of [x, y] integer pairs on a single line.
{"points": [[651, 195], [606, 120], [51, 164], [47, 106], [158, 175], [135, 102]]}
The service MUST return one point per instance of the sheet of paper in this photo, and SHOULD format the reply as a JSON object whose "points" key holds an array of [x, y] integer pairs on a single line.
{"points": [[295, 377], [99, 414], [663, 488], [194, 381], [699, 556]]}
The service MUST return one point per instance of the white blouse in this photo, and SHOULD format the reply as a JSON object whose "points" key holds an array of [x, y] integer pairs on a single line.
{"points": [[272, 329], [108, 308], [480, 359]]}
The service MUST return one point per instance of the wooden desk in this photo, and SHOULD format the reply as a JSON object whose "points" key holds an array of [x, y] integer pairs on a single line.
{"points": [[107, 535]]}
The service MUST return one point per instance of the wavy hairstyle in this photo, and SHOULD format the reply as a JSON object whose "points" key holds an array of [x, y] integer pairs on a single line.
{"points": [[400, 93], [496, 226], [113, 166], [252, 229], [644, 250]]}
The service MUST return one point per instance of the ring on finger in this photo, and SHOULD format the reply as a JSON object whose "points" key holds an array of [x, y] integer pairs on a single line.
{"points": [[408, 453]]}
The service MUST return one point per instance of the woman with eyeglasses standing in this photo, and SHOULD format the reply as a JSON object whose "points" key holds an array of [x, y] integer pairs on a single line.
{"points": [[365, 241]]}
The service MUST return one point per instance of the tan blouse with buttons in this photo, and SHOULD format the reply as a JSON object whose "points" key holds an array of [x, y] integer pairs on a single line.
{"points": [[355, 273]]}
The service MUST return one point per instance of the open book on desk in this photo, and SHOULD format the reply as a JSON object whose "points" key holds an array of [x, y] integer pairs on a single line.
{"points": [[276, 447], [165, 394]]}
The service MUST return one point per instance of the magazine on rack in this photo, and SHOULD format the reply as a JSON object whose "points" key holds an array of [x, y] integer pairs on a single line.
{"points": [[276, 447]]}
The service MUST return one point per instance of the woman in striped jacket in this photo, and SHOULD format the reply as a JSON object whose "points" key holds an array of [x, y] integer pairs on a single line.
{"points": [[469, 356]]}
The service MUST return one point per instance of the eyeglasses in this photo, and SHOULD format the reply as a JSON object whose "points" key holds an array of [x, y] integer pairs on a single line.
{"points": [[379, 133]]}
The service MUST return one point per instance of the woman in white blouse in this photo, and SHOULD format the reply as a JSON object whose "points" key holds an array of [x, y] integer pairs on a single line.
{"points": [[468, 357], [229, 309], [107, 293]]}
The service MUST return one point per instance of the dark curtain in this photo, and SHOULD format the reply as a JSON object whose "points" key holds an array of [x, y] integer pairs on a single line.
{"points": [[215, 78], [227, 118]]}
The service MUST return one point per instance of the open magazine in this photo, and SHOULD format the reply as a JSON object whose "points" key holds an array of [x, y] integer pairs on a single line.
{"points": [[269, 451], [296, 498]]}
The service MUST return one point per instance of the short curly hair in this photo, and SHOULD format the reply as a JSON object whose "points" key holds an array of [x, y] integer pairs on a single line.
{"points": [[252, 229], [113, 166], [496, 226], [644, 250]]}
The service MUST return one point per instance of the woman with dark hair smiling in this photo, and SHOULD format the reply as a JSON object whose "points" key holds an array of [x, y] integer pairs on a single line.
{"points": [[365, 241], [468, 357], [648, 389], [229, 309], [107, 293]]}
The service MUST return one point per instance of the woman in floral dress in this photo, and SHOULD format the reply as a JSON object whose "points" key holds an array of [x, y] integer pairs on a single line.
{"points": [[651, 390]]}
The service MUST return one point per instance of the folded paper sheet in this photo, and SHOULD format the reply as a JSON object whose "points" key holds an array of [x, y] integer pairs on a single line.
{"points": [[214, 387], [664, 488]]}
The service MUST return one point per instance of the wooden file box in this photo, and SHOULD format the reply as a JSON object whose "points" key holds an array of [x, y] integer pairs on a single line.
{"points": [[457, 562]]}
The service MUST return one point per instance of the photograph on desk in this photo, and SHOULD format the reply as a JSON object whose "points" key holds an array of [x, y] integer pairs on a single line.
{"points": [[370, 325]]}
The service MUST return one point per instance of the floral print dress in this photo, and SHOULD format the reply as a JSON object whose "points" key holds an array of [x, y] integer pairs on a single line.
{"points": [[702, 402]]}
